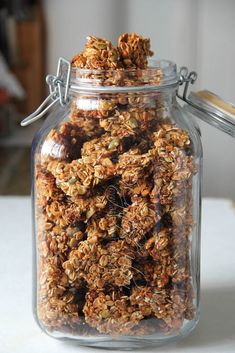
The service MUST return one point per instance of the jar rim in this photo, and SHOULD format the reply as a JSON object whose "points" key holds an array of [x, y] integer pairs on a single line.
{"points": [[158, 75]]}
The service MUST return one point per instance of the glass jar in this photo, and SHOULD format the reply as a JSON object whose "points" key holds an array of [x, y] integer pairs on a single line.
{"points": [[116, 209]]}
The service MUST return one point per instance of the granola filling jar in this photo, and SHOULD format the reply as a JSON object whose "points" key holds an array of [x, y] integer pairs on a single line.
{"points": [[117, 211], [116, 199]]}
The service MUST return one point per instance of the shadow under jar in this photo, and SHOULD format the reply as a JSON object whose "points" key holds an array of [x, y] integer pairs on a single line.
{"points": [[116, 186]]}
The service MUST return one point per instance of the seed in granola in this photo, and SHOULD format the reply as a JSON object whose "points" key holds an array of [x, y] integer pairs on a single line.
{"points": [[133, 123], [113, 144]]}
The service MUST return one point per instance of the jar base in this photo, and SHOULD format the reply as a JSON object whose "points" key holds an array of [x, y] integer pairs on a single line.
{"points": [[130, 343]]}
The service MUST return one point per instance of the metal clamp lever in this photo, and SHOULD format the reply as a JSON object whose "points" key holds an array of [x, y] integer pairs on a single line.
{"points": [[186, 78], [59, 88]]}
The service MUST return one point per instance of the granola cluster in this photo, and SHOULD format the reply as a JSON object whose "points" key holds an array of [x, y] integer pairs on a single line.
{"points": [[132, 52], [99, 53], [114, 215], [123, 65]]}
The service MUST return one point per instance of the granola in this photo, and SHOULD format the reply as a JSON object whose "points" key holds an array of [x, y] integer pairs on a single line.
{"points": [[56, 307], [114, 204], [99, 265], [134, 50], [99, 53], [168, 305], [111, 313], [138, 219]]}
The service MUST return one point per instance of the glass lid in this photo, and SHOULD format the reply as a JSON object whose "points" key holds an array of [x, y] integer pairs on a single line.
{"points": [[213, 109], [206, 105]]}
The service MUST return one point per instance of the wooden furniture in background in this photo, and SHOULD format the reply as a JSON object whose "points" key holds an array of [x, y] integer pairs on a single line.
{"points": [[4, 112], [29, 67]]}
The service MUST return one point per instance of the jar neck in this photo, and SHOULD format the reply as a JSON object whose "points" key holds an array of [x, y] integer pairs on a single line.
{"points": [[160, 74]]}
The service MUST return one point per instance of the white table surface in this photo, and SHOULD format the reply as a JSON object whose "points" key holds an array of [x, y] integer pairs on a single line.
{"points": [[214, 333]]}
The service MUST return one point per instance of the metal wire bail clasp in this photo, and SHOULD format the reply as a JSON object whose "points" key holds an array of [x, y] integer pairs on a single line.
{"points": [[186, 78], [58, 87]]}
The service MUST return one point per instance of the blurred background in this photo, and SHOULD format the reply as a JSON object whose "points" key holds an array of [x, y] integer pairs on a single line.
{"points": [[34, 34]]}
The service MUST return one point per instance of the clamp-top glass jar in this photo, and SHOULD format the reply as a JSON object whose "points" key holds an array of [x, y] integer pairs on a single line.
{"points": [[116, 186]]}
